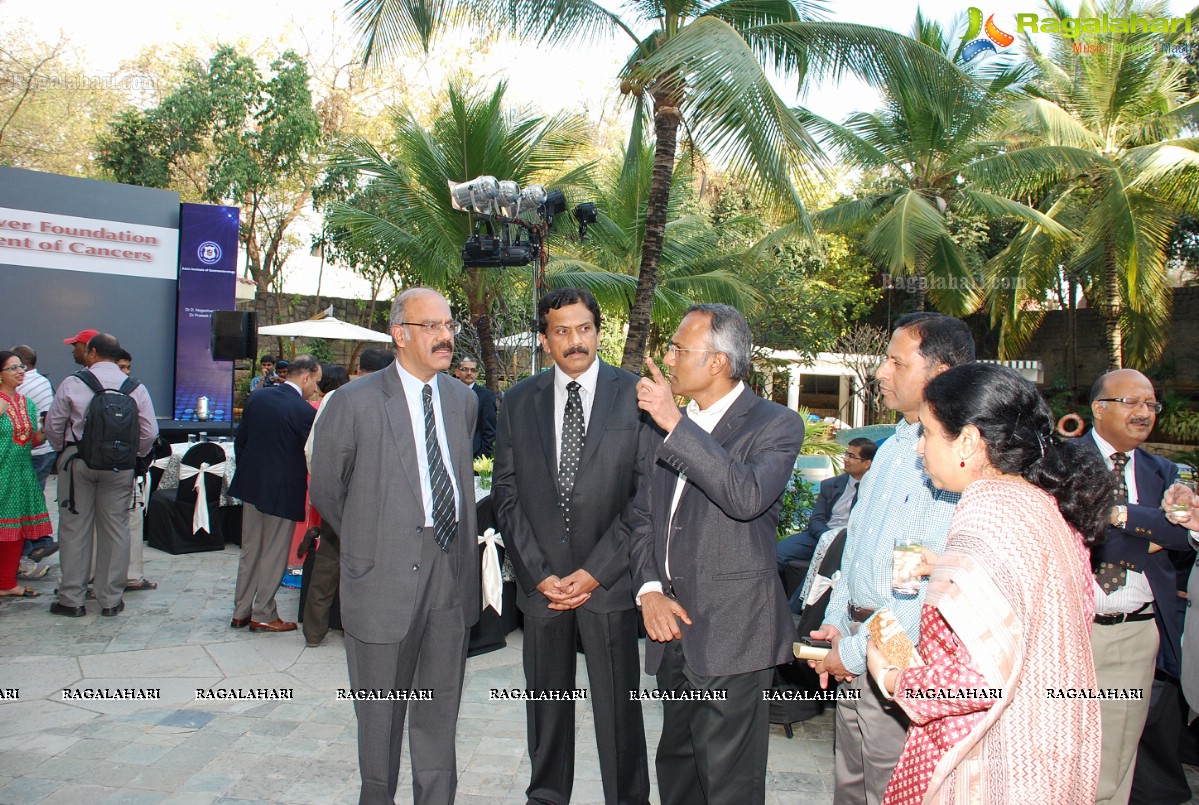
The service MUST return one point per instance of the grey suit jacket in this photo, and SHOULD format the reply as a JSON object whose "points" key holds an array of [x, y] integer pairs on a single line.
{"points": [[619, 439], [722, 537], [365, 484]]}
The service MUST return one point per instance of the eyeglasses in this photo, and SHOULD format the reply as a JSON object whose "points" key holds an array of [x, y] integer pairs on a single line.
{"points": [[854, 456], [1134, 402], [434, 327], [673, 348], [17, 367]]}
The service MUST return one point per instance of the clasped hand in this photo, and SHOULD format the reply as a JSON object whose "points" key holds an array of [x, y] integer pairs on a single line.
{"points": [[570, 592]]}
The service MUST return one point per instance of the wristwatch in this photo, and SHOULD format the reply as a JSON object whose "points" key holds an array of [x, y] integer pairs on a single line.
{"points": [[1121, 515]]}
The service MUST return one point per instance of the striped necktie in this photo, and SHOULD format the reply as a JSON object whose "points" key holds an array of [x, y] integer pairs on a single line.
{"points": [[444, 524]]}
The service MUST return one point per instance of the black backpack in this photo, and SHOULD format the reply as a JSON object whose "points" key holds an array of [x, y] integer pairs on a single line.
{"points": [[111, 426]]}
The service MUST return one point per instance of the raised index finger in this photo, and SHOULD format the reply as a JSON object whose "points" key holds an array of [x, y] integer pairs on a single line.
{"points": [[654, 371]]}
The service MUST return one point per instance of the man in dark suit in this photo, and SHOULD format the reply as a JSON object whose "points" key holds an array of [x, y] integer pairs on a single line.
{"points": [[271, 480], [568, 460], [703, 560], [1136, 640], [483, 443], [830, 512], [391, 473]]}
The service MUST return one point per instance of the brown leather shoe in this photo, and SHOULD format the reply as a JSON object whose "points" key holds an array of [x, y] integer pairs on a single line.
{"points": [[277, 625], [239, 623]]}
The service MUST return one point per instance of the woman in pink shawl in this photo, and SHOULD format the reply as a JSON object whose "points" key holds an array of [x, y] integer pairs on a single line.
{"points": [[1005, 630]]}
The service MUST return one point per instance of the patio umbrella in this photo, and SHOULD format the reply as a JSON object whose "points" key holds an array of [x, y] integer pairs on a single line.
{"points": [[328, 328]]}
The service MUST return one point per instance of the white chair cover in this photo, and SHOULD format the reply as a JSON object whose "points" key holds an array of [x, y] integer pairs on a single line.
{"points": [[493, 580], [200, 517]]}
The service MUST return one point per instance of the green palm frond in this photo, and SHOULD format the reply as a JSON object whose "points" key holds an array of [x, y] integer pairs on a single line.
{"points": [[902, 236], [732, 109], [998, 207]]}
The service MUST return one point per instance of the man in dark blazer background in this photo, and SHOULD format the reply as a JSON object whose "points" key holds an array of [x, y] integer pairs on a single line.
{"points": [[271, 480], [703, 559], [391, 473], [1136, 639], [830, 512], [568, 539], [483, 443]]}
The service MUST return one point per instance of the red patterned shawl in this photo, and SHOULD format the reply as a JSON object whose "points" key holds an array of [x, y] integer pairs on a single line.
{"points": [[1014, 586]]}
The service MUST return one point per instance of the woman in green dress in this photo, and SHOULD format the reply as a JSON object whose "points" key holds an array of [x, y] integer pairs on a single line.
{"points": [[22, 507]]}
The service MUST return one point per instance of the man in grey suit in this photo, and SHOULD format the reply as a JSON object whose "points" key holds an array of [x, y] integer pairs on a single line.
{"points": [[702, 554], [567, 463], [391, 473]]}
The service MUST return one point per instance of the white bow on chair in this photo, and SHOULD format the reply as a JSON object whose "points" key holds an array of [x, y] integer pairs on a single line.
{"points": [[493, 580], [200, 517]]}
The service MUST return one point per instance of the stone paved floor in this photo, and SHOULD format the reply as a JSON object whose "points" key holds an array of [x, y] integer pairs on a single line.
{"points": [[180, 750], [303, 752]]}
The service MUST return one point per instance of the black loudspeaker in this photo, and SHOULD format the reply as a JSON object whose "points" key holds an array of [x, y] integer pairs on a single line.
{"points": [[234, 335]]}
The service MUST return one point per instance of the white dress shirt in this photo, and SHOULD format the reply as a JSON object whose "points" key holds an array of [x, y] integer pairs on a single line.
{"points": [[839, 517], [1136, 591], [587, 381], [413, 391]]}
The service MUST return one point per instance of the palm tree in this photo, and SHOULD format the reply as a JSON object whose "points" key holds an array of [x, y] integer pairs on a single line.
{"points": [[698, 264], [1119, 108], [705, 66], [937, 154], [410, 218]]}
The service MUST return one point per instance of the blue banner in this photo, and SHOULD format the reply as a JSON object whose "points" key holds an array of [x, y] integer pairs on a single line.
{"points": [[207, 283]]}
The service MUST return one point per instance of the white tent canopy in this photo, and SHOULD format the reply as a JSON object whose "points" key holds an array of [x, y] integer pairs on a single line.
{"points": [[328, 327]]}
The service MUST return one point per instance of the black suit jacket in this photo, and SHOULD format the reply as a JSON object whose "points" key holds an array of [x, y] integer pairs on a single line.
{"points": [[1130, 545], [619, 440], [722, 537], [483, 443], [822, 509], [271, 471]]}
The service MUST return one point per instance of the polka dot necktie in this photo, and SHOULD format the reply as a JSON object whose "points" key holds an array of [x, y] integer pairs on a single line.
{"points": [[1112, 577], [572, 448], [444, 523]]}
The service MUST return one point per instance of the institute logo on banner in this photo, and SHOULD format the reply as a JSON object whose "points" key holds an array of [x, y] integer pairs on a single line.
{"points": [[209, 253], [981, 41]]}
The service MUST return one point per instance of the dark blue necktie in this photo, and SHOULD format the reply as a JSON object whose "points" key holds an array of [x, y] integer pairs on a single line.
{"points": [[572, 448]]}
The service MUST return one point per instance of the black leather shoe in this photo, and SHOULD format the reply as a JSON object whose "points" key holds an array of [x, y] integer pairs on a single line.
{"points": [[108, 612], [70, 612], [38, 554]]}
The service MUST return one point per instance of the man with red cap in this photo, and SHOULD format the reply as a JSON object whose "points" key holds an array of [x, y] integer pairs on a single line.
{"points": [[78, 343]]}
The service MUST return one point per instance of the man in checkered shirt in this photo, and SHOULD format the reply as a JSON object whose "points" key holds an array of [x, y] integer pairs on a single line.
{"points": [[896, 500]]}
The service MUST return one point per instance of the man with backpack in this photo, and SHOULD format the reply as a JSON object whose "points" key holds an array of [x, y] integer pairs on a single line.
{"points": [[100, 422]]}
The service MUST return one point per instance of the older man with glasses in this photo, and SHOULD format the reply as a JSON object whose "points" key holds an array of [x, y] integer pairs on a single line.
{"points": [[391, 474], [1136, 639]]}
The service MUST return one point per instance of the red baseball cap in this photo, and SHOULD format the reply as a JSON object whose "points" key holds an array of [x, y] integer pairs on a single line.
{"points": [[83, 337]]}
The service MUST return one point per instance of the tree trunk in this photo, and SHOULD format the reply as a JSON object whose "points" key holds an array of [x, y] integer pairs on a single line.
{"points": [[480, 318], [1072, 338], [919, 286], [1113, 337], [666, 130]]}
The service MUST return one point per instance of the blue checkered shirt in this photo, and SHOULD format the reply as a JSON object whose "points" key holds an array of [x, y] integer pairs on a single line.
{"points": [[895, 499]]}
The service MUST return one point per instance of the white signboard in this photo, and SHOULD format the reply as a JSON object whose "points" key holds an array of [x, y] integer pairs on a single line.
{"points": [[66, 242]]}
